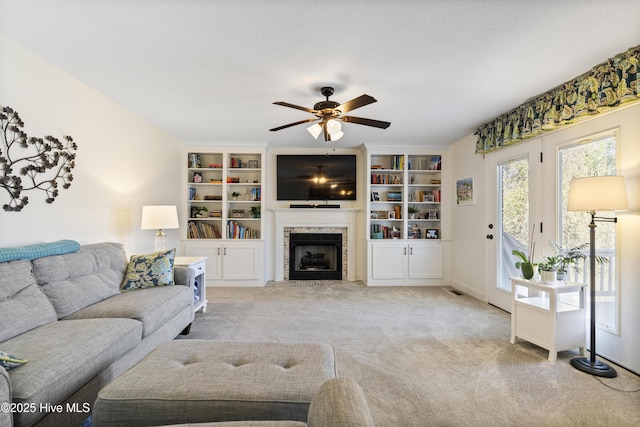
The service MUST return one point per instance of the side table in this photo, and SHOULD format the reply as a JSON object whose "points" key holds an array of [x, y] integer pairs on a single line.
{"points": [[551, 316], [198, 264]]}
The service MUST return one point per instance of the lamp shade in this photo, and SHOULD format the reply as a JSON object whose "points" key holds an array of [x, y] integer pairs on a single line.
{"points": [[159, 217], [598, 193], [334, 128], [315, 130]]}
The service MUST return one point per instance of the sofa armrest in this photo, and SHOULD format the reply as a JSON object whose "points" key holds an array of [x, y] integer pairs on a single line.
{"points": [[339, 402], [184, 276], [6, 419]]}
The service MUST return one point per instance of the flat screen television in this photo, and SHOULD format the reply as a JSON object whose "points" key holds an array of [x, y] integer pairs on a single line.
{"points": [[316, 177]]}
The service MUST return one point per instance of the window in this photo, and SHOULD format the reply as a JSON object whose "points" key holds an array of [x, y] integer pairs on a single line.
{"points": [[592, 157]]}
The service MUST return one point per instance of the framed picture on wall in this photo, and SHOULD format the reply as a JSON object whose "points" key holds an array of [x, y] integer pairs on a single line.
{"points": [[465, 191]]}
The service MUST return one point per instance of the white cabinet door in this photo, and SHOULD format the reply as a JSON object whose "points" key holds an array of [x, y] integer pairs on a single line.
{"points": [[389, 260], [242, 261], [425, 260], [212, 250]]}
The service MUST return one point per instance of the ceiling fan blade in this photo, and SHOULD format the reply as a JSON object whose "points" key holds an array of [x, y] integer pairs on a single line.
{"points": [[297, 107], [358, 102], [366, 122], [293, 124]]}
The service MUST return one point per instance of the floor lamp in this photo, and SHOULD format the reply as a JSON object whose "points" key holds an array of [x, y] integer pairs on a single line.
{"points": [[592, 194]]}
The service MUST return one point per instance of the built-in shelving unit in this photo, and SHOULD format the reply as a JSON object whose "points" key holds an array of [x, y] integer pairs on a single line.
{"points": [[405, 196], [224, 193], [404, 216]]}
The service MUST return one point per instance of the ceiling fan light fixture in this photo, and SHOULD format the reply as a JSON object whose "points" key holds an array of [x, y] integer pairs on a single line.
{"points": [[315, 130], [334, 128], [336, 135], [330, 113]]}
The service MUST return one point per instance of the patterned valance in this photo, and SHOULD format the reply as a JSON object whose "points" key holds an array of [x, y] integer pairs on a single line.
{"points": [[605, 86]]}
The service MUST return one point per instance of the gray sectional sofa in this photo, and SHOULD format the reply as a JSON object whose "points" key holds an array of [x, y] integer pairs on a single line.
{"points": [[66, 315]]}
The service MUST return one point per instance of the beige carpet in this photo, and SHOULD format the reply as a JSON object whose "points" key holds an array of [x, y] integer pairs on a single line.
{"points": [[425, 357]]}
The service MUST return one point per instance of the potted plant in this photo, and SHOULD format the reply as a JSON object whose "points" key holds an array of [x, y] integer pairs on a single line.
{"points": [[413, 210], [525, 265], [254, 211], [548, 268], [197, 211], [571, 256], [235, 195]]}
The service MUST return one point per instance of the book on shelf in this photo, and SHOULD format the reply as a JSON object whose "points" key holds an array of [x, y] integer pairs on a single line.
{"points": [[413, 232], [398, 162], [202, 230], [379, 231], [239, 231], [385, 178]]}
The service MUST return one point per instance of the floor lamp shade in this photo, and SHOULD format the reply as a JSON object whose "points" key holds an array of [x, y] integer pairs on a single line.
{"points": [[592, 194], [598, 193], [159, 218]]}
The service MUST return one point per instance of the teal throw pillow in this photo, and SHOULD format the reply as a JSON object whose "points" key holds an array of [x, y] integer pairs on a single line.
{"points": [[9, 361], [148, 271]]}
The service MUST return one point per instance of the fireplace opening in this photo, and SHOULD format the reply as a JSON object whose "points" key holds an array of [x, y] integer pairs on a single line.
{"points": [[315, 256]]}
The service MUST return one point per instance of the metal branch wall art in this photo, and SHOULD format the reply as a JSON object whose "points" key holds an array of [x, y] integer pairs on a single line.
{"points": [[30, 163]]}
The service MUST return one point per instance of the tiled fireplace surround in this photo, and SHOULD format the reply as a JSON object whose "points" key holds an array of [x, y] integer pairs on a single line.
{"points": [[314, 220]]}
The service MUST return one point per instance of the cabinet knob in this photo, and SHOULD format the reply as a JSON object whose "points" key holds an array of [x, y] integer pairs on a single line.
{"points": [[490, 236]]}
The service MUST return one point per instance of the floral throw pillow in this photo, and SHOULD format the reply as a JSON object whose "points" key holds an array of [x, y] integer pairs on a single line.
{"points": [[148, 271], [9, 361]]}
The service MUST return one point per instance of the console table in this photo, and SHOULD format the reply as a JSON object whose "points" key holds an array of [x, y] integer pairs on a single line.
{"points": [[551, 316]]}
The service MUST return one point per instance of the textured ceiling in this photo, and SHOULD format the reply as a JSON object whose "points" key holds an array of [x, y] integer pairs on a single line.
{"points": [[208, 70]]}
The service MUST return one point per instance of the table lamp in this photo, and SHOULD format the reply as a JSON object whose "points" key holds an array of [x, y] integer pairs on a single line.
{"points": [[592, 194], [159, 217]]}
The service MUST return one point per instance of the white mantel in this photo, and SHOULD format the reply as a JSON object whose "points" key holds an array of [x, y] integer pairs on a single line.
{"points": [[315, 217]]}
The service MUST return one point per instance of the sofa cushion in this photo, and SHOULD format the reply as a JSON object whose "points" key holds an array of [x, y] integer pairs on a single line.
{"points": [[150, 270], [77, 280], [22, 305], [63, 356], [39, 250], [153, 307]]}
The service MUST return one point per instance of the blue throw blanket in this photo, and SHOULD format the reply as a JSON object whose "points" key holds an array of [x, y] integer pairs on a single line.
{"points": [[39, 250]]}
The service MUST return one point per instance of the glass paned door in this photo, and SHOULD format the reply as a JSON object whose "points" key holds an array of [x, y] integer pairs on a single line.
{"points": [[514, 224], [513, 206]]}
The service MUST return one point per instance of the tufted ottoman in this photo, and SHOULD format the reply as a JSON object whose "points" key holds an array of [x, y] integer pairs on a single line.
{"points": [[190, 381]]}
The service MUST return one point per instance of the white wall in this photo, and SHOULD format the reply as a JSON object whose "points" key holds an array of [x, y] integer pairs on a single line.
{"points": [[468, 259], [123, 162], [470, 226]]}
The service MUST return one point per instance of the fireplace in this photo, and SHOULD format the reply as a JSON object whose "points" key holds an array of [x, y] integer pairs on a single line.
{"points": [[341, 221], [315, 256]]}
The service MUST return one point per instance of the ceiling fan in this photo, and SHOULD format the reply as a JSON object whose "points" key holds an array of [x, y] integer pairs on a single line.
{"points": [[329, 115]]}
